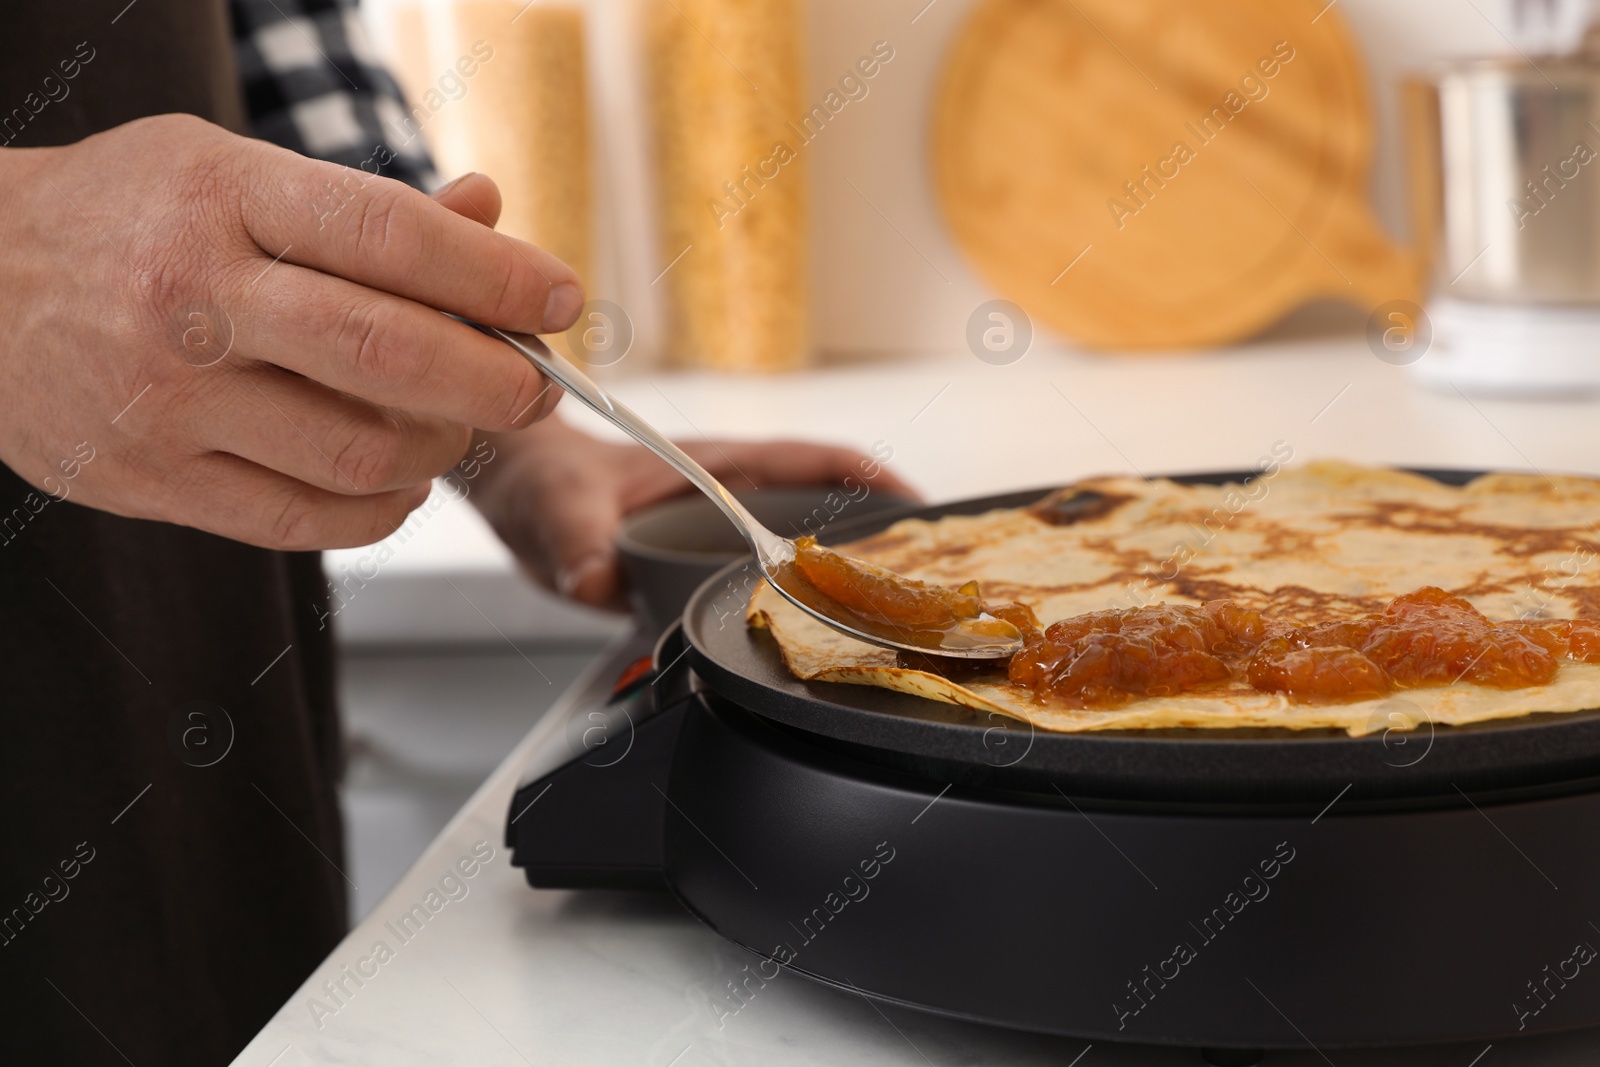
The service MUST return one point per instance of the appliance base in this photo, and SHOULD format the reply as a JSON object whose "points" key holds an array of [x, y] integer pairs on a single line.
{"points": [[1175, 927], [1222, 929]]}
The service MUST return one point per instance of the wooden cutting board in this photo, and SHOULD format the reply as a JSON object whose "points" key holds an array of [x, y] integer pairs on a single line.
{"points": [[1162, 173]]}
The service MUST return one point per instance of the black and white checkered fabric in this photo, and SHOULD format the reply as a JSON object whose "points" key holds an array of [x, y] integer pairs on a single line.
{"points": [[312, 84]]}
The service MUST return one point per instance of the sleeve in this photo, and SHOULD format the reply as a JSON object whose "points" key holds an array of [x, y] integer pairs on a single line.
{"points": [[312, 84]]}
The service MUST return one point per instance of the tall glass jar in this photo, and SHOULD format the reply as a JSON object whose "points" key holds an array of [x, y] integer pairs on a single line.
{"points": [[724, 80], [525, 118]]}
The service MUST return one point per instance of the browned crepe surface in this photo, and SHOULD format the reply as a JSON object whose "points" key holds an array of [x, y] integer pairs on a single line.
{"points": [[1327, 540]]}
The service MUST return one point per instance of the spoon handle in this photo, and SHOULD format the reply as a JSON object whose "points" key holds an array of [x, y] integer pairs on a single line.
{"points": [[772, 552], [769, 548]]}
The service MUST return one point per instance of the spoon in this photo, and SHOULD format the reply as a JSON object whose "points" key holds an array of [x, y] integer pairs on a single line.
{"points": [[982, 637]]}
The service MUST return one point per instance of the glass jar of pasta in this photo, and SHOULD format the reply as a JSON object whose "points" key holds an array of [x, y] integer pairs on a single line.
{"points": [[723, 80]]}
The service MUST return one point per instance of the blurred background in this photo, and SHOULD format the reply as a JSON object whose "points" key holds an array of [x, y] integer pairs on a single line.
{"points": [[605, 120], [1016, 242]]}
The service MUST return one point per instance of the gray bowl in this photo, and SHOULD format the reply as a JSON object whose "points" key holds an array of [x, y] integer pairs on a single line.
{"points": [[667, 551]]}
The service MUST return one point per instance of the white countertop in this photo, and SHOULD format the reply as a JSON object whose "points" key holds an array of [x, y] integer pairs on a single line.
{"points": [[961, 427], [505, 974]]}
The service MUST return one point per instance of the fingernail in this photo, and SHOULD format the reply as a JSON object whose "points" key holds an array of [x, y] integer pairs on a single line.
{"points": [[452, 183], [561, 310], [570, 578]]}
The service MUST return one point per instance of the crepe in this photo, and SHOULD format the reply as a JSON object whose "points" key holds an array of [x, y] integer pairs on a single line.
{"points": [[1318, 543]]}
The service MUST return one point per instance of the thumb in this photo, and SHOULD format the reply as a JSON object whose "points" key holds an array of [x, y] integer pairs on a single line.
{"points": [[474, 196], [576, 538]]}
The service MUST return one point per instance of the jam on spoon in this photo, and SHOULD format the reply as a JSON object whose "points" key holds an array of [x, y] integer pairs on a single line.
{"points": [[912, 612]]}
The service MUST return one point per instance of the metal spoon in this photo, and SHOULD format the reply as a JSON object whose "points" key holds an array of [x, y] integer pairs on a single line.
{"points": [[966, 639]]}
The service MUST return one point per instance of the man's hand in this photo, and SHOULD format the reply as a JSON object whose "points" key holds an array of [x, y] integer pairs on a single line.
{"points": [[556, 495], [248, 341]]}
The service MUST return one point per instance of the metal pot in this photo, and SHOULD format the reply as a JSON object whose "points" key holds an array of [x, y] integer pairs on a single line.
{"points": [[1505, 174]]}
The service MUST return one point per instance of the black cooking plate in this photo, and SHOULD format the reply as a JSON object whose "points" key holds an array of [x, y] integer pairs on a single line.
{"points": [[944, 742]]}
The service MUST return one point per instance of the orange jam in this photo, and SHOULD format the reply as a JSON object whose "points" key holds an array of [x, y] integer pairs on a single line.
{"points": [[1109, 657], [1425, 638], [882, 595], [905, 610]]}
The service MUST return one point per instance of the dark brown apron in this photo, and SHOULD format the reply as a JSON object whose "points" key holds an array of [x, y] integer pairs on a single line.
{"points": [[164, 886]]}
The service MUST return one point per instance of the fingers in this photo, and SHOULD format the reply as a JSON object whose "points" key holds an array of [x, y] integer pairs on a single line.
{"points": [[766, 463], [471, 196], [578, 548], [573, 535], [558, 518], [384, 235], [558, 495], [391, 351], [328, 440], [249, 503]]}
